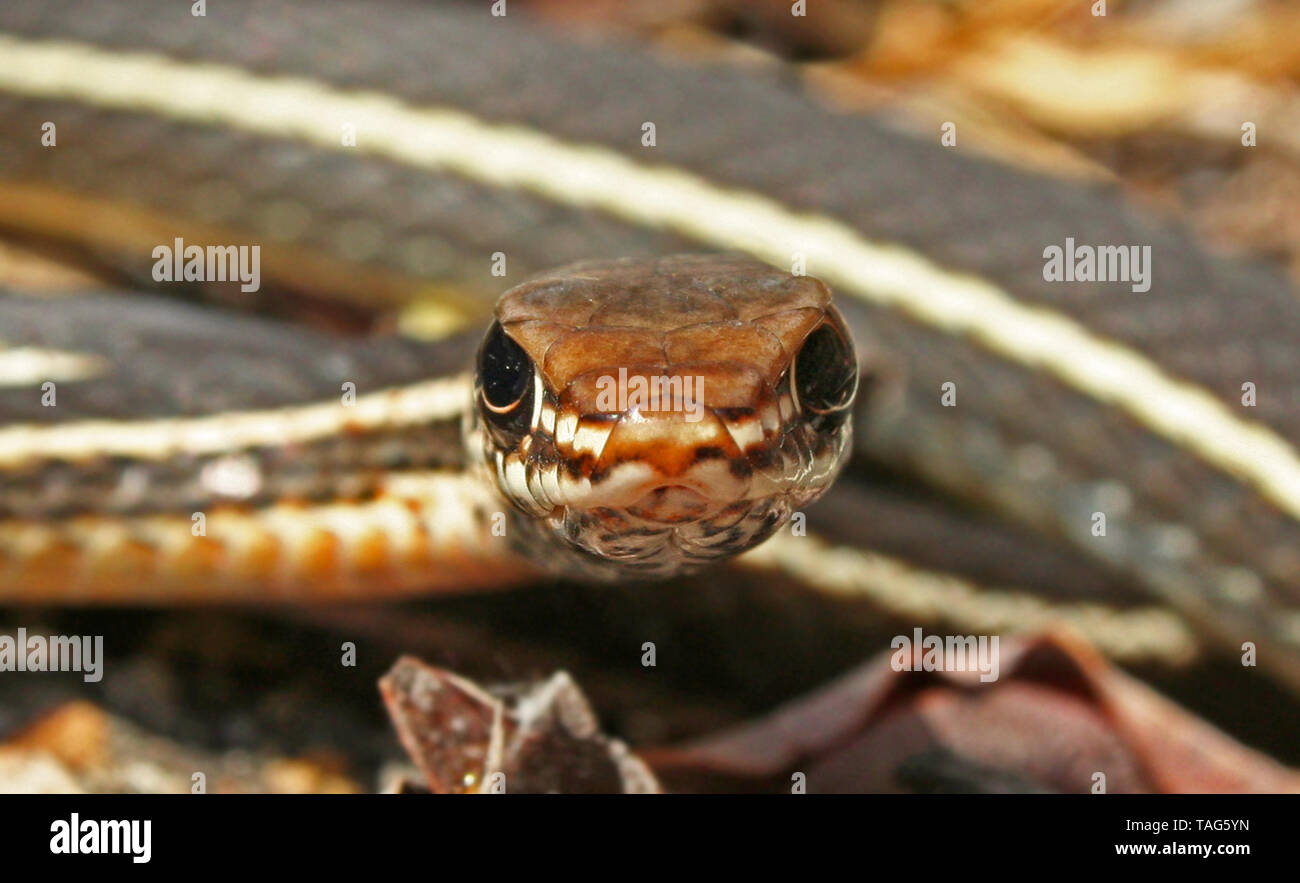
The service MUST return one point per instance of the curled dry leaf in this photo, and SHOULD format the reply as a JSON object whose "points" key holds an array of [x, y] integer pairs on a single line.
{"points": [[1058, 715], [536, 738]]}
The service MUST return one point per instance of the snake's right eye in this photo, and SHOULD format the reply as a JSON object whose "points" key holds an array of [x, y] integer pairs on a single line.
{"points": [[505, 378]]}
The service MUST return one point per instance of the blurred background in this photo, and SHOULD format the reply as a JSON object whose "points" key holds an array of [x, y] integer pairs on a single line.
{"points": [[1148, 94]]}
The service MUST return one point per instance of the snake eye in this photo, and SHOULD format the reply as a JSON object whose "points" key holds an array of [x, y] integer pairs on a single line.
{"points": [[505, 379], [825, 373]]}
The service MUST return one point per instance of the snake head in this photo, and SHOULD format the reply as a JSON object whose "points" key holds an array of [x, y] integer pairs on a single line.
{"points": [[647, 417]]}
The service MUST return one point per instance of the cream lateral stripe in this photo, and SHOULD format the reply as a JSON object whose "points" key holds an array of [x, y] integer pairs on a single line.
{"points": [[33, 366], [585, 175], [160, 439], [1138, 635]]}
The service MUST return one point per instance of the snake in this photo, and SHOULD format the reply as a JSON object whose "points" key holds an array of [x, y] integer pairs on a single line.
{"points": [[1011, 451], [747, 379]]}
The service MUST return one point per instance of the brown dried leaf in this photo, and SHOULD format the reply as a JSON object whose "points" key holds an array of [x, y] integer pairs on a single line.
{"points": [[539, 738], [1058, 714]]}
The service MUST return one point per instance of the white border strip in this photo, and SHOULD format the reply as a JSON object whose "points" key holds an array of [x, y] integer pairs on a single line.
{"points": [[1135, 635], [160, 439], [33, 366], [661, 197]]}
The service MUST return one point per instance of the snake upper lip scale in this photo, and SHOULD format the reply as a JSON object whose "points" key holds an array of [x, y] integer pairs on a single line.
{"points": [[761, 373]]}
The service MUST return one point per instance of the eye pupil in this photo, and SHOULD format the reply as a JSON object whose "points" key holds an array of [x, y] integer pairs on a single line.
{"points": [[504, 369], [505, 378], [825, 371]]}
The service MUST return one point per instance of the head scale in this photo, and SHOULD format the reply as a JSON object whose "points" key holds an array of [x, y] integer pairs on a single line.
{"points": [[655, 415]]}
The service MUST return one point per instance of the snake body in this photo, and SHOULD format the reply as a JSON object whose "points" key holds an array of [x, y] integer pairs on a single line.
{"points": [[385, 159]]}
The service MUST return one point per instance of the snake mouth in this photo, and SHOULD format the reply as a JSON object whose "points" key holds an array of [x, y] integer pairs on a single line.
{"points": [[673, 504]]}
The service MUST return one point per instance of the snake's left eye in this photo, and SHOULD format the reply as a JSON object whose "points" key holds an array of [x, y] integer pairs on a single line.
{"points": [[825, 373], [505, 378]]}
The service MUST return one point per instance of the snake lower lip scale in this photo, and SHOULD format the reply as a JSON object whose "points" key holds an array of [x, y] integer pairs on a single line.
{"points": [[760, 374]]}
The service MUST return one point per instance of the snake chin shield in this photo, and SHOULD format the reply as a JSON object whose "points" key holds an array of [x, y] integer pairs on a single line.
{"points": [[647, 417]]}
